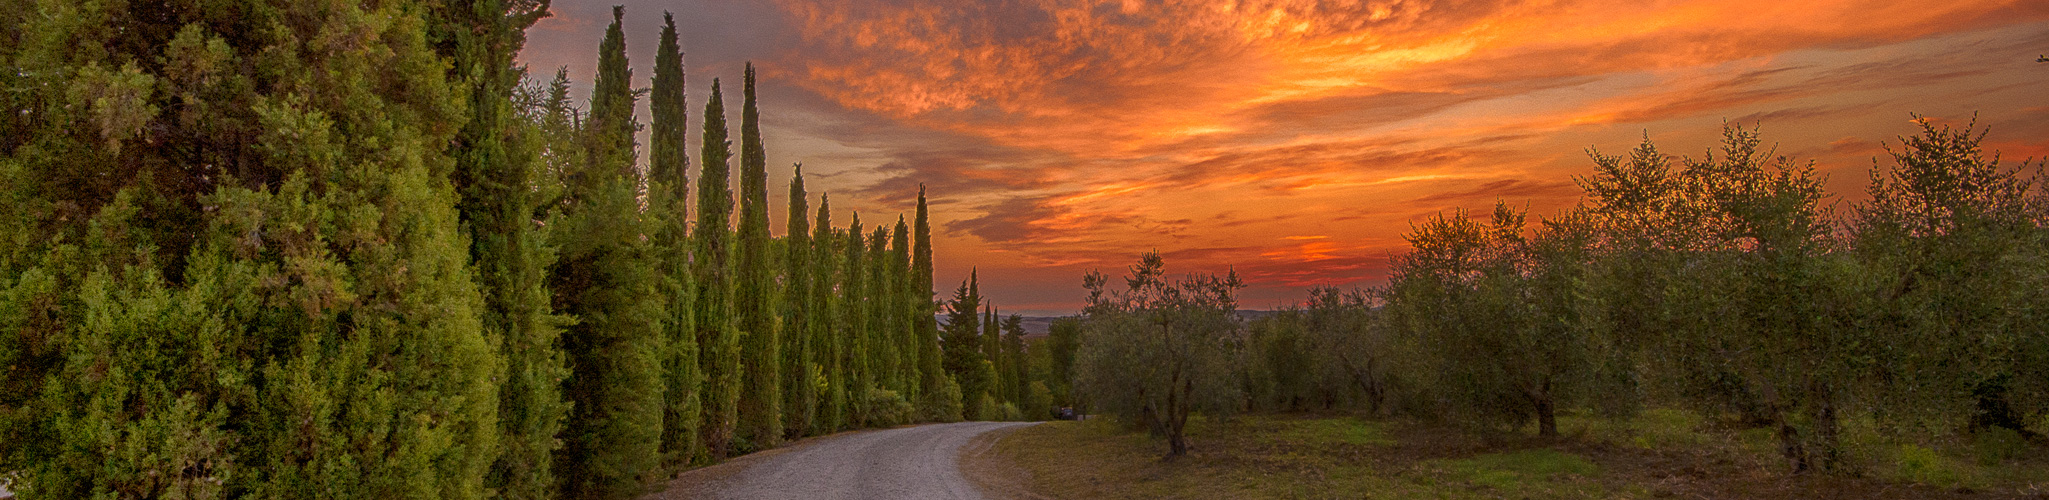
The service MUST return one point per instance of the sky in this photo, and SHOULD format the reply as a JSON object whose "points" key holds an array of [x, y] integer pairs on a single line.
{"points": [[1292, 141]]}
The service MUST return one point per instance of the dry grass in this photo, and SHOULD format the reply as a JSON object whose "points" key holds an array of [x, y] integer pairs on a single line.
{"points": [[1660, 455]]}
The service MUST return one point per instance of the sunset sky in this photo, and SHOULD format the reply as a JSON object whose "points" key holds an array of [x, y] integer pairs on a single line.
{"points": [[1296, 141]]}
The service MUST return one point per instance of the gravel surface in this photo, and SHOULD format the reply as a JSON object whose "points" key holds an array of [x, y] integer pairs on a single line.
{"points": [[911, 463]]}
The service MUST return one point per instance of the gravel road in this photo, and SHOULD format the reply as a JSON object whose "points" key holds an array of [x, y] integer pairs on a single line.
{"points": [[911, 463]]}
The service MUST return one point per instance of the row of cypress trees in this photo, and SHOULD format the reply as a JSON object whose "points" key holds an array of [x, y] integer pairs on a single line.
{"points": [[325, 249]]}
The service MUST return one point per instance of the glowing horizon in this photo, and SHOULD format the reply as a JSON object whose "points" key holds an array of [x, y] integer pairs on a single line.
{"points": [[1295, 141]]}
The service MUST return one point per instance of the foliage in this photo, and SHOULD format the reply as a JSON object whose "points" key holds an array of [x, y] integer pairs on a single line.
{"points": [[607, 279], [1505, 324], [800, 396], [1158, 351], [1331, 352], [500, 173], [325, 249], [1723, 284], [668, 201], [203, 252], [925, 327], [761, 414], [1953, 240], [947, 407], [887, 408], [1015, 372], [903, 304], [1038, 403], [962, 344], [828, 342], [1063, 338], [853, 315], [718, 340], [881, 317]]}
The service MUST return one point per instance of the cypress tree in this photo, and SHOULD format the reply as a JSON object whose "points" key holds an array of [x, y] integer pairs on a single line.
{"points": [[926, 334], [609, 133], [761, 365], [827, 345], [962, 343], [800, 398], [992, 350], [718, 342], [904, 309], [882, 360], [495, 165], [668, 196], [667, 162], [203, 253], [1014, 359], [854, 323], [608, 278]]}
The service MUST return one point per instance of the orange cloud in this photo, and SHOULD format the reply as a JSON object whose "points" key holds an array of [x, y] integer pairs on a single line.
{"points": [[1296, 139]]}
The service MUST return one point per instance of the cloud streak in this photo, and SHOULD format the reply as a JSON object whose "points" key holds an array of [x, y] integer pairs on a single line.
{"points": [[1295, 140]]}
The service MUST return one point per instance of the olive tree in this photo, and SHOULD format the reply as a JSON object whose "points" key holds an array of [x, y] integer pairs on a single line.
{"points": [[1156, 350], [1505, 330]]}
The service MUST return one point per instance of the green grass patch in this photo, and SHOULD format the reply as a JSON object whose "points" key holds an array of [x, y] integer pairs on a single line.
{"points": [[1520, 470], [1661, 429], [1998, 444], [1923, 465], [1345, 430], [1659, 454], [1653, 429]]}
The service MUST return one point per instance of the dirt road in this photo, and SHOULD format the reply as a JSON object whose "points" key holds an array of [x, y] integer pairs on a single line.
{"points": [[913, 463]]}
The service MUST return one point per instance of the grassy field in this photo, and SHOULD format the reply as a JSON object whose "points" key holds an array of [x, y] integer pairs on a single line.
{"points": [[1661, 454]]}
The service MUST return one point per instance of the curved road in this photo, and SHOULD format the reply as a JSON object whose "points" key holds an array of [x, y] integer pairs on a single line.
{"points": [[921, 462]]}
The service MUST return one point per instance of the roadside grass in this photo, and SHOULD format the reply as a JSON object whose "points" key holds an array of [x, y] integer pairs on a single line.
{"points": [[1658, 454]]}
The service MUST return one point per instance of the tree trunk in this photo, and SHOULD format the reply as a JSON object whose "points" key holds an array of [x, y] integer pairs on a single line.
{"points": [[1177, 419], [1825, 450], [1790, 446], [1547, 414]]}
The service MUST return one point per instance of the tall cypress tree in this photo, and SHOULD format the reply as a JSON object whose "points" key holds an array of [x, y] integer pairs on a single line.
{"points": [[882, 360], [854, 323], [495, 163], [1014, 359], [800, 398], [668, 163], [826, 344], [608, 278], [668, 198], [926, 332], [962, 341], [718, 343], [904, 332], [992, 351], [761, 379]]}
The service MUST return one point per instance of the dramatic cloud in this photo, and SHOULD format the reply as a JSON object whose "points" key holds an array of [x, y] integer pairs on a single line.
{"points": [[1295, 140]]}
